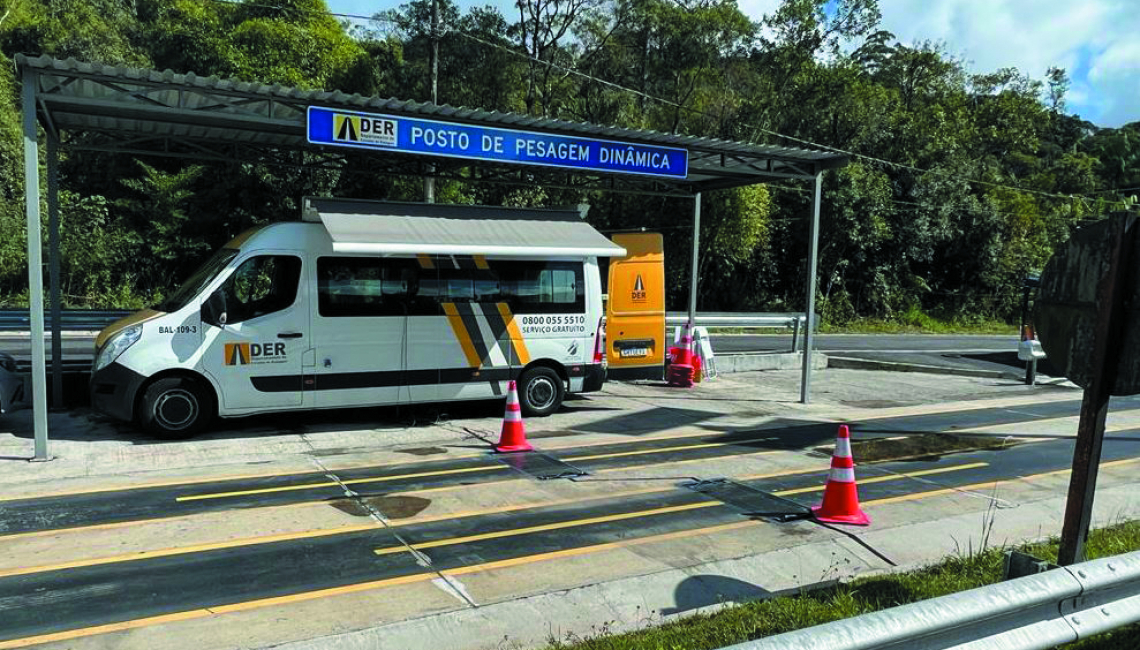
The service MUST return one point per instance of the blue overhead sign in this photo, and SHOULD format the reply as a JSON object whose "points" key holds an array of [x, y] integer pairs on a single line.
{"points": [[411, 135]]}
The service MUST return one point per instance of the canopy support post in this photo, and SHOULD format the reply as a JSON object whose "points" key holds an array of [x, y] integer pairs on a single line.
{"points": [[812, 268], [696, 262], [35, 266], [53, 271]]}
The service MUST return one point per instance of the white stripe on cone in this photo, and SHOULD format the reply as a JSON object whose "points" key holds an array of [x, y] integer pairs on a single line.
{"points": [[842, 448], [512, 416], [842, 475]]}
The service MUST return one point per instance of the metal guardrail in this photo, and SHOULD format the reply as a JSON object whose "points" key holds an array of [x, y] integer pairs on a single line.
{"points": [[745, 319], [1037, 612], [16, 320]]}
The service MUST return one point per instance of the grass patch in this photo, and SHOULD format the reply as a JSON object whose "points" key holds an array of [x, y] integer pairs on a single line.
{"points": [[918, 447], [860, 596], [926, 325]]}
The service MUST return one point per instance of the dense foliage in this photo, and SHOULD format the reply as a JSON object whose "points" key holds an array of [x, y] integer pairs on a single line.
{"points": [[961, 183]]}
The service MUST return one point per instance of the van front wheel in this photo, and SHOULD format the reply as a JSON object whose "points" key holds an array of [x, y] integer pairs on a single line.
{"points": [[175, 408], [540, 392]]}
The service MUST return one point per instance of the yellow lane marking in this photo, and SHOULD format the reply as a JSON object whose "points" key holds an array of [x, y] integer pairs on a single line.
{"points": [[705, 445], [354, 481], [317, 533], [648, 513], [338, 468], [182, 550], [464, 470], [487, 566], [212, 611], [462, 335], [990, 484], [888, 477], [605, 546], [544, 527], [422, 577], [349, 589]]}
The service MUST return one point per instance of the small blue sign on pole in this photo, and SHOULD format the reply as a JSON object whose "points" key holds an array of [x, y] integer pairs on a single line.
{"points": [[430, 137]]}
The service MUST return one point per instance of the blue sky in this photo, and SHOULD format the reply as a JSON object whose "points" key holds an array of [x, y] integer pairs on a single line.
{"points": [[1095, 40]]}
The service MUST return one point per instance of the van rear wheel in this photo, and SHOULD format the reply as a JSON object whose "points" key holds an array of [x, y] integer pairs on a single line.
{"points": [[175, 408], [540, 392]]}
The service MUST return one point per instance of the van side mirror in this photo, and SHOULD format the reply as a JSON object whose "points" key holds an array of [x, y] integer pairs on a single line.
{"points": [[214, 310]]}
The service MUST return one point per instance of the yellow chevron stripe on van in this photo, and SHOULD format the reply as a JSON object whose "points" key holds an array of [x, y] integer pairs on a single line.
{"points": [[481, 262], [425, 261], [461, 334], [517, 342]]}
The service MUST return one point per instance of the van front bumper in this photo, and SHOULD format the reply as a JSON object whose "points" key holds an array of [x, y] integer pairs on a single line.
{"points": [[113, 390]]}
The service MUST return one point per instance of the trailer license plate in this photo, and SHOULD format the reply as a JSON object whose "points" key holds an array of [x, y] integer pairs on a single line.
{"points": [[635, 352]]}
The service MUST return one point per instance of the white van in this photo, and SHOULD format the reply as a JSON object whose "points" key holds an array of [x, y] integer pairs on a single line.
{"points": [[366, 303]]}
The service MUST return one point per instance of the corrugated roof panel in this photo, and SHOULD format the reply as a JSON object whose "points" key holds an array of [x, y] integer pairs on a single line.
{"points": [[198, 92]]}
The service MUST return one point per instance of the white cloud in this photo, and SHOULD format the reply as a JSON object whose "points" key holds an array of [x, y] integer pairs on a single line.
{"points": [[1092, 39]]}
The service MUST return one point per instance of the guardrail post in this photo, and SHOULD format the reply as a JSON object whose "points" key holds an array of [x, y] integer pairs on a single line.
{"points": [[795, 334], [35, 265], [809, 309]]}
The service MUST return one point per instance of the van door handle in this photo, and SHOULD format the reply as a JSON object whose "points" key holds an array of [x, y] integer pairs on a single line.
{"points": [[290, 335]]}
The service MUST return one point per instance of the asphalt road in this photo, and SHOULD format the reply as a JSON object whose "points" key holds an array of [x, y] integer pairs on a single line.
{"points": [[69, 600], [855, 343], [959, 353], [19, 345]]}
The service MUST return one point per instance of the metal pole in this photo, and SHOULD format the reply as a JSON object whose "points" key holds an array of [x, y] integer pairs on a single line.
{"points": [[696, 261], [429, 182], [53, 271], [1110, 297], [35, 265], [809, 310]]}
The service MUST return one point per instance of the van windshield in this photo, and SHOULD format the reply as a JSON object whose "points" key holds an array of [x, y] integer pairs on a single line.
{"points": [[197, 281]]}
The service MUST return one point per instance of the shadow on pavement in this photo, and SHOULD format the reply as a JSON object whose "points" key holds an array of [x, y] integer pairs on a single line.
{"points": [[701, 591]]}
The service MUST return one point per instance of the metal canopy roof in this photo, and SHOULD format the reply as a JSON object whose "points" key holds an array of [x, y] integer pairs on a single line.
{"points": [[389, 228], [146, 112]]}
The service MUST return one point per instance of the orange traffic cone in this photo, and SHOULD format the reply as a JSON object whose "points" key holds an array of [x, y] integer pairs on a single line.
{"points": [[841, 496], [685, 349], [513, 436]]}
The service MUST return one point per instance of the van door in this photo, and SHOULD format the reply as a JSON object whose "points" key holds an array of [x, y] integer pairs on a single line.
{"points": [[360, 328], [256, 328], [635, 311]]}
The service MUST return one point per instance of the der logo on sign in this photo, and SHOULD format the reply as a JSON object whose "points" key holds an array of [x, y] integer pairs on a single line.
{"points": [[369, 130]]}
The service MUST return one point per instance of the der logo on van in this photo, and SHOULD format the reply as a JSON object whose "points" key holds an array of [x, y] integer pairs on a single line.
{"points": [[240, 354], [364, 130], [639, 294]]}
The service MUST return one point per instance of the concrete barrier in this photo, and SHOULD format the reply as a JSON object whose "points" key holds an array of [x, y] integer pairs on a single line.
{"points": [[768, 361]]}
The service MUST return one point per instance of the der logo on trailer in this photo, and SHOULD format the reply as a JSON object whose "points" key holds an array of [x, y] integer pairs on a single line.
{"points": [[638, 294]]}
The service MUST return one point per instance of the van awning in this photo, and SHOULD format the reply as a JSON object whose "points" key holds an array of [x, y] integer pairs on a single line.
{"points": [[383, 228]]}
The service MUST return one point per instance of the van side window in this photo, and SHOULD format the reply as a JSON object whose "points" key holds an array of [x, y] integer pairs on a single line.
{"points": [[260, 286], [542, 287], [362, 286]]}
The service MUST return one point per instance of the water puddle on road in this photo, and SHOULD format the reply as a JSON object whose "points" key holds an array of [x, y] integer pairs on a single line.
{"points": [[422, 451], [392, 507], [919, 447]]}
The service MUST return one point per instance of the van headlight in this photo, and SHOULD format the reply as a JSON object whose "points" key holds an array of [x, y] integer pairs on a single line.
{"points": [[117, 345]]}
